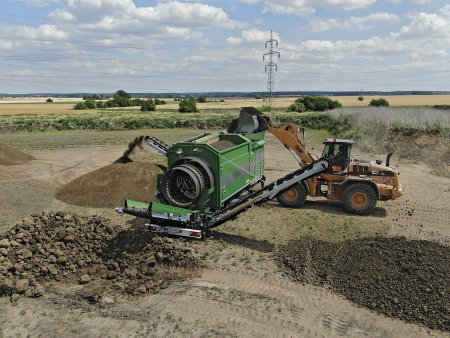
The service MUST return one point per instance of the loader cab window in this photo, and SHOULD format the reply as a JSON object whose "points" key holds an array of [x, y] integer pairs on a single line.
{"points": [[341, 151]]}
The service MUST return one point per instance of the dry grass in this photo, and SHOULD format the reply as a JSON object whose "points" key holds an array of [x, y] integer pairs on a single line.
{"points": [[413, 117]]}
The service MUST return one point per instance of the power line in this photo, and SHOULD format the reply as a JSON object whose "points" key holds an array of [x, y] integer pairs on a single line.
{"points": [[271, 67]]}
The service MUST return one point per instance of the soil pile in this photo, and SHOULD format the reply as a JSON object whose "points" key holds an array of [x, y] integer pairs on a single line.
{"points": [[109, 186], [430, 147], [11, 156], [114, 264], [394, 276]]}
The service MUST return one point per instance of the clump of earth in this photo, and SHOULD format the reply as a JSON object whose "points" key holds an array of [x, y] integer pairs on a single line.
{"points": [[407, 279], [11, 156], [109, 264], [109, 186]]}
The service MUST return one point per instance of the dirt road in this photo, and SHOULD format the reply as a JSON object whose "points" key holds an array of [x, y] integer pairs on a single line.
{"points": [[241, 292]]}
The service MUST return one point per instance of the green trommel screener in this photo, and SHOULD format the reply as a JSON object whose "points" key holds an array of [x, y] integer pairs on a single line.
{"points": [[213, 177]]}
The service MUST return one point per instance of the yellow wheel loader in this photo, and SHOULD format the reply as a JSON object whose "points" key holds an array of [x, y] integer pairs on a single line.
{"points": [[358, 184]]}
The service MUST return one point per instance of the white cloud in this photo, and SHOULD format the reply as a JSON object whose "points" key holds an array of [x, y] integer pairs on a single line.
{"points": [[251, 37], [40, 2], [354, 22], [105, 14], [303, 7]]}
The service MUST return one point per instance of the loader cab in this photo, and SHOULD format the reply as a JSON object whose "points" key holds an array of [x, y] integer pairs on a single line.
{"points": [[341, 149]]}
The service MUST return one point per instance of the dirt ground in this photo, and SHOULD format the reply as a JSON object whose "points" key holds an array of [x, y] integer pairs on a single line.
{"points": [[241, 292]]}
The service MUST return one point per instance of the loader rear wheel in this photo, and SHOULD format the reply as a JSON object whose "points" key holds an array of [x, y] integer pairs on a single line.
{"points": [[294, 197], [359, 198]]}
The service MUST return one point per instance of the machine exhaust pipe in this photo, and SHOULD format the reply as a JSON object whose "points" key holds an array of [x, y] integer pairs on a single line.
{"points": [[388, 158]]}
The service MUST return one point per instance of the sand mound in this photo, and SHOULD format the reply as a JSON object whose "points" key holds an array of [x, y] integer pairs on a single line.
{"points": [[114, 264], [430, 147], [11, 156], [109, 186], [394, 276]]}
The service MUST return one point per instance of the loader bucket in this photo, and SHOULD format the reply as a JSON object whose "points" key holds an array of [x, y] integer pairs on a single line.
{"points": [[250, 121]]}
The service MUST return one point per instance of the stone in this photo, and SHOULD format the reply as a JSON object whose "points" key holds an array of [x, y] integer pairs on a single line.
{"points": [[105, 300], [6, 286], [3, 251], [131, 272], [4, 243], [85, 279], [21, 286]]}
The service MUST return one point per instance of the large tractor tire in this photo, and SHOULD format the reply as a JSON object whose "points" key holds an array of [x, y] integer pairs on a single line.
{"points": [[359, 198], [295, 197]]}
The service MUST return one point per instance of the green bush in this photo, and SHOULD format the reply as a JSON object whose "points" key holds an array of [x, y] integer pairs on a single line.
{"points": [[148, 105], [80, 106], [379, 103], [159, 102], [442, 106], [264, 108], [188, 106], [297, 107], [90, 104], [318, 103], [360, 98], [201, 99], [100, 104], [49, 100]]}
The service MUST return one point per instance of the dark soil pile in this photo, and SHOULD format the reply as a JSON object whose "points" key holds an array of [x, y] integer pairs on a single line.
{"points": [[114, 264], [394, 276], [109, 186], [11, 156]]}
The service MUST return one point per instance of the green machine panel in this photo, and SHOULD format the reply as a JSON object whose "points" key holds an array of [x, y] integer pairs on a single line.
{"points": [[206, 171]]}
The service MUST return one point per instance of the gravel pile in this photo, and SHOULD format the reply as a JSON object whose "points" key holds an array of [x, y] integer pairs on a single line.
{"points": [[68, 248], [109, 186], [12, 156], [394, 276]]}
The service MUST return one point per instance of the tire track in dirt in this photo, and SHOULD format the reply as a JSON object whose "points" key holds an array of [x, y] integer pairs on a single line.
{"points": [[294, 309]]}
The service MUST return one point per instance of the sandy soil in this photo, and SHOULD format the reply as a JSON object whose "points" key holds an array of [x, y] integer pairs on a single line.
{"points": [[241, 292]]}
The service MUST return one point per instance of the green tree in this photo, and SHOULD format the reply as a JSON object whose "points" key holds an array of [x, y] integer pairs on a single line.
{"points": [[297, 107], [122, 93], [90, 104], [187, 106], [201, 99], [381, 102], [49, 100], [121, 101], [318, 103], [148, 105]]}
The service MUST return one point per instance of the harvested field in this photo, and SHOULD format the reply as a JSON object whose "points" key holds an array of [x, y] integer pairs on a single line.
{"points": [[11, 156], [113, 264], [407, 279], [109, 186]]}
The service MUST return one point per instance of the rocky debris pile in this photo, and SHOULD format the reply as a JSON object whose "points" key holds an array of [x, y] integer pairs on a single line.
{"points": [[109, 186], [397, 277], [67, 248], [12, 156]]}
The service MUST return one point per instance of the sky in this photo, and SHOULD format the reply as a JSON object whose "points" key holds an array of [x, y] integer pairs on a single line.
{"points": [[101, 46]]}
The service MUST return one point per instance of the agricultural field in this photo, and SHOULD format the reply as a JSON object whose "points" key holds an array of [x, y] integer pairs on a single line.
{"points": [[64, 106], [233, 283]]}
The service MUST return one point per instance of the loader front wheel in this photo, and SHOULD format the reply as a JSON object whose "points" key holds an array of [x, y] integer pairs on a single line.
{"points": [[359, 198], [294, 197]]}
